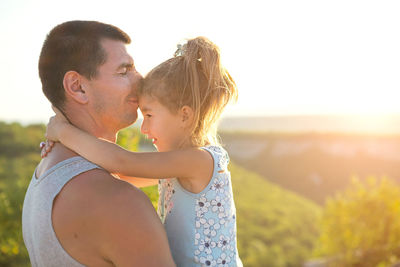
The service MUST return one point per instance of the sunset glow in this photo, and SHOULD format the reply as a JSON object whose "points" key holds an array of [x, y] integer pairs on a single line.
{"points": [[287, 57]]}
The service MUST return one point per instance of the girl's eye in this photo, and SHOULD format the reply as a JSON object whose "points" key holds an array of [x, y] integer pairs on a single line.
{"points": [[148, 115]]}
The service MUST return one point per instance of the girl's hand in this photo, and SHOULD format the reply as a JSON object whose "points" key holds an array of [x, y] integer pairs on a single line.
{"points": [[55, 125], [46, 147]]}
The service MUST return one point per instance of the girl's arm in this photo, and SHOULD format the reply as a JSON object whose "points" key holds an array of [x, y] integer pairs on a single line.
{"points": [[138, 182], [188, 163]]}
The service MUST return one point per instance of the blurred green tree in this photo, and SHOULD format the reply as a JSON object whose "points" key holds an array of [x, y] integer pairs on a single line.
{"points": [[129, 138], [19, 154], [361, 226]]}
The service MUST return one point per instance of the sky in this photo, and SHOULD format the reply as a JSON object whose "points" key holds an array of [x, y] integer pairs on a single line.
{"points": [[287, 57]]}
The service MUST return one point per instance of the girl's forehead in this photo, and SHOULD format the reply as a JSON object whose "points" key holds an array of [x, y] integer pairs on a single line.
{"points": [[147, 103], [146, 99]]}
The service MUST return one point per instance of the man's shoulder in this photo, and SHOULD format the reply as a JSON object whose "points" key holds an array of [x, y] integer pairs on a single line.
{"points": [[105, 213], [124, 226], [98, 199], [98, 186]]}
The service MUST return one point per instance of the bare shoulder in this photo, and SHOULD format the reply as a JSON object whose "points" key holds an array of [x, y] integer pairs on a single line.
{"points": [[197, 160], [205, 156], [113, 219], [199, 167], [103, 187], [132, 231], [108, 196], [204, 161]]}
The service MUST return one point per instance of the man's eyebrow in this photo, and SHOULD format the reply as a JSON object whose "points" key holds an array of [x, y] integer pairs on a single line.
{"points": [[126, 65]]}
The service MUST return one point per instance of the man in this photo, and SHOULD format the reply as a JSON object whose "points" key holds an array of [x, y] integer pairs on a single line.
{"points": [[76, 213]]}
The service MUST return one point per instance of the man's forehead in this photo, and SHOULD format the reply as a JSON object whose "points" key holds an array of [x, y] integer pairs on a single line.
{"points": [[116, 51]]}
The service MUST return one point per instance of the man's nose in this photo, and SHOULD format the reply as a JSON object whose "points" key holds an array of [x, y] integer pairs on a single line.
{"points": [[136, 81]]}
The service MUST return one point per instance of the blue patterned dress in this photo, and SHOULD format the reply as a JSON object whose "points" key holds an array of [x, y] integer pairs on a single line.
{"points": [[201, 228]]}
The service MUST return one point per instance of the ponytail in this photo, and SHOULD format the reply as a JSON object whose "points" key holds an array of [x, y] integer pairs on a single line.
{"points": [[196, 78]]}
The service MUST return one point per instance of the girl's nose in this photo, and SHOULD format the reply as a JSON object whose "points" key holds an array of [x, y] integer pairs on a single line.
{"points": [[143, 128]]}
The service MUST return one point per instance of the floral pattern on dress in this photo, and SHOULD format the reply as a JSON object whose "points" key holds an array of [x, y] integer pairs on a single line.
{"points": [[165, 192], [215, 226], [214, 234]]}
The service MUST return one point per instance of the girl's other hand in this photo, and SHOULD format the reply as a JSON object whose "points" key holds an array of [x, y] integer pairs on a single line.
{"points": [[55, 125], [46, 147]]}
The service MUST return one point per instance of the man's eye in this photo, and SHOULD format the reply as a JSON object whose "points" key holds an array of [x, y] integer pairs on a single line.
{"points": [[124, 71]]}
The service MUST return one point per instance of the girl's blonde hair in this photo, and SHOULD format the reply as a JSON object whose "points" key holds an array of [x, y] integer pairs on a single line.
{"points": [[194, 77]]}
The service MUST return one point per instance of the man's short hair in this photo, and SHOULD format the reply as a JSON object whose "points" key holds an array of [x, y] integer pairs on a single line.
{"points": [[73, 46]]}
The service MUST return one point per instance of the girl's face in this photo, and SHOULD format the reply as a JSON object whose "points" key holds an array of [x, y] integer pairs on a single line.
{"points": [[167, 130]]}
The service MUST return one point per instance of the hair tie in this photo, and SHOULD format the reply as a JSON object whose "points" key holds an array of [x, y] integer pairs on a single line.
{"points": [[180, 50]]}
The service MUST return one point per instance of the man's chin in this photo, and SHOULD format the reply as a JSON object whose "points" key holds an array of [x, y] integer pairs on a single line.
{"points": [[129, 121]]}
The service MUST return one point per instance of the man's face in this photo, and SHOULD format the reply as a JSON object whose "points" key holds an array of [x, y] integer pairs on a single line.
{"points": [[112, 93]]}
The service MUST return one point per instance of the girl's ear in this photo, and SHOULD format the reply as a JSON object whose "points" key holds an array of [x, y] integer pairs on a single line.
{"points": [[74, 87], [187, 115]]}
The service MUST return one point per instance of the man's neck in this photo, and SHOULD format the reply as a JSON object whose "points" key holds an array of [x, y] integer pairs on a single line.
{"points": [[88, 124], [59, 152]]}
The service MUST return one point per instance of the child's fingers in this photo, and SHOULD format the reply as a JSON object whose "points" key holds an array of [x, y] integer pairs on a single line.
{"points": [[48, 146], [43, 152], [51, 143], [42, 149], [41, 145]]}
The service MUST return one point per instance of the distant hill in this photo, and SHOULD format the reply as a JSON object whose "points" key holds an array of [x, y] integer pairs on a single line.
{"points": [[315, 165], [275, 227], [314, 123]]}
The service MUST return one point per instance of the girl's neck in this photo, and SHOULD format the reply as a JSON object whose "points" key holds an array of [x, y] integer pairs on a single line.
{"points": [[186, 144]]}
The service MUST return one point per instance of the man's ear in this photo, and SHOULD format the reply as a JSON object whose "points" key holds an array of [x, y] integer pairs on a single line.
{"points": [[187, 115], [73, 86]]}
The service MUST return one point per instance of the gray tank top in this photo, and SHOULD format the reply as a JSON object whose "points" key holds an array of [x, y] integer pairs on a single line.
{"points": [[40, 239]]}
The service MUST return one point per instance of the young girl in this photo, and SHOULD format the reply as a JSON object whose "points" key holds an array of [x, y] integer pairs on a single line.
{"points": [[181, 101]]}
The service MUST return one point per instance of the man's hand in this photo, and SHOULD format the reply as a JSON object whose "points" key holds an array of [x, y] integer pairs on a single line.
{"points": [[55, 125]]}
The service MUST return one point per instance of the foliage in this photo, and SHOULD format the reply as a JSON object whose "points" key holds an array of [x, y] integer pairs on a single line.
{"points": [[152, 193], [129, 138], [19, 147], [275, 227], [361, 226], [17, 140]]}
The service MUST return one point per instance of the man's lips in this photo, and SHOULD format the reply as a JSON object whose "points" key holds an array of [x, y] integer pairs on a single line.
{"points": [[134, 102]]}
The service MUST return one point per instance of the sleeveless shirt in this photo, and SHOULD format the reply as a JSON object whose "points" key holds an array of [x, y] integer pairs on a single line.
{"points": [[40, 239], [201, 228]]}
